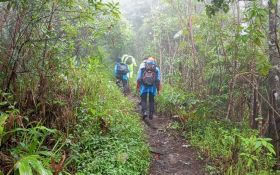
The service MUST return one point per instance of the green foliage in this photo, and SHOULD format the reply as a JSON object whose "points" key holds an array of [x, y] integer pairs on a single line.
{"points": [[119, 39], [30, 150], [2, 125], [238, 147], [108, 138], [234, 148], [41, 44], [216, 5], [30, 154], [212, 65], [27, 164], [174, 101], [49, 35]]}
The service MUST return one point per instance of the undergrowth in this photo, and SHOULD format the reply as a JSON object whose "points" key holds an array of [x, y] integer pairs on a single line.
{"points": [[174, 101], [234, 149], [109, 138], [29, 147], [106, 136]]}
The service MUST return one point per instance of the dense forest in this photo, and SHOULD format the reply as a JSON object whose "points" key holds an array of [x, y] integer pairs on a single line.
{"points": [[61, 111]]}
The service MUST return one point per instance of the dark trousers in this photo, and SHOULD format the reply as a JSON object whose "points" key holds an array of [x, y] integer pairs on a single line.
{"points": [[144, 97], [124, 84]]}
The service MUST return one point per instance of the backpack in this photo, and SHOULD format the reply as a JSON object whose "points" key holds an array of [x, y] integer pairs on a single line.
{"points": [[150, 74], [122, 69]]}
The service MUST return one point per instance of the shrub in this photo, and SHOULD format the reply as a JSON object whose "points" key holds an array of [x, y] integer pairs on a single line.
{"points": [[233, 149], [110, 138]]}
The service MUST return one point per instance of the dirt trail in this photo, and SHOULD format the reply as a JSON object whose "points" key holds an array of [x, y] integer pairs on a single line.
{"points": [[172, 155]]}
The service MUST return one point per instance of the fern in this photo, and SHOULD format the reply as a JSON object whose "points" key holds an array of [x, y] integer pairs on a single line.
{"points": [[29, 164]]}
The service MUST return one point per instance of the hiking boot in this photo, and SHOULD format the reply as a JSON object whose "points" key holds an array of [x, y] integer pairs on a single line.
{"points": [[151, 116], [145, 114]]}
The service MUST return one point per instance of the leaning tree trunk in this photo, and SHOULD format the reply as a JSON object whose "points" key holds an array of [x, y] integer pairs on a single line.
{"points": [[274, 77]]}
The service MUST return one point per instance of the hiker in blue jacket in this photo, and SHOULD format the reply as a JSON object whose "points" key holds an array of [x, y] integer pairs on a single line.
{"points": [[148, 84], [121, 73]]}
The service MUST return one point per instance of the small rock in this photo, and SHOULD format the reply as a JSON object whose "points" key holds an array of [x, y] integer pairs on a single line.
{"points": [[186, 146], [175, 116], [156, 151], [186, 163], [172, 159]]}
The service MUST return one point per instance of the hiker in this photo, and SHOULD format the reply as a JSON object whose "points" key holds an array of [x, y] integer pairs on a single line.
{"points": [[148, 84], [121, 74], [142, 65], [130, 61]]}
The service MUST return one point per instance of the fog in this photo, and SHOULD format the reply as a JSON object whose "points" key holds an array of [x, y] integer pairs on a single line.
{"points": [[136, 11]]}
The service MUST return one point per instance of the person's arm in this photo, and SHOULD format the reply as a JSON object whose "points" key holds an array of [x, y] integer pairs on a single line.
{"points": [[115, 70], [140, 67], [134, 62], [158, 84], [128, 71], [138, 80]]}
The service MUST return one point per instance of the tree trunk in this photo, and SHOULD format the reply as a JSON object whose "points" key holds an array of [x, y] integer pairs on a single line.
{"points": [[42, 89], [274, 75]]}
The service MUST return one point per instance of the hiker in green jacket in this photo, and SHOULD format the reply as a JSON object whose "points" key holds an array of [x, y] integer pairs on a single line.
{"points": [[130, 61]]}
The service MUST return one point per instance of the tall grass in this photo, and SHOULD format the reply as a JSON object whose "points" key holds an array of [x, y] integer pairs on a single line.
{"points": [[109, 138]]}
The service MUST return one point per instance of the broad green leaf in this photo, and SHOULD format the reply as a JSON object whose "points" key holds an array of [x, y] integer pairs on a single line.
{"points": [[257, 145], [26, 164], [38, 167], [24, 168], [271, 149], [3, 103]]}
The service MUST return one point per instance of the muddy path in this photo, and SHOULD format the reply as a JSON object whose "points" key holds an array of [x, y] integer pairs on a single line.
{"points": [[171, 154]]}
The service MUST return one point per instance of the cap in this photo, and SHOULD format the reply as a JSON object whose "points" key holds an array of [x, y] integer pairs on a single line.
{"points": [[151, 59]]}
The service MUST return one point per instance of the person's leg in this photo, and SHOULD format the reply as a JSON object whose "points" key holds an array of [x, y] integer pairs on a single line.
{"points": [[151, 105], [118, 82], [144, 104], [125, 86]]}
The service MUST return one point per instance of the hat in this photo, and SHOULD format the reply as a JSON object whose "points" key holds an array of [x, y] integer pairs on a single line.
{"points": [[151, 59], [118, 60]]}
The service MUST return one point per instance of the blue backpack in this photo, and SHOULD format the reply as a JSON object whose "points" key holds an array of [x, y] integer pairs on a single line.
{"points": [[122, 69]]}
